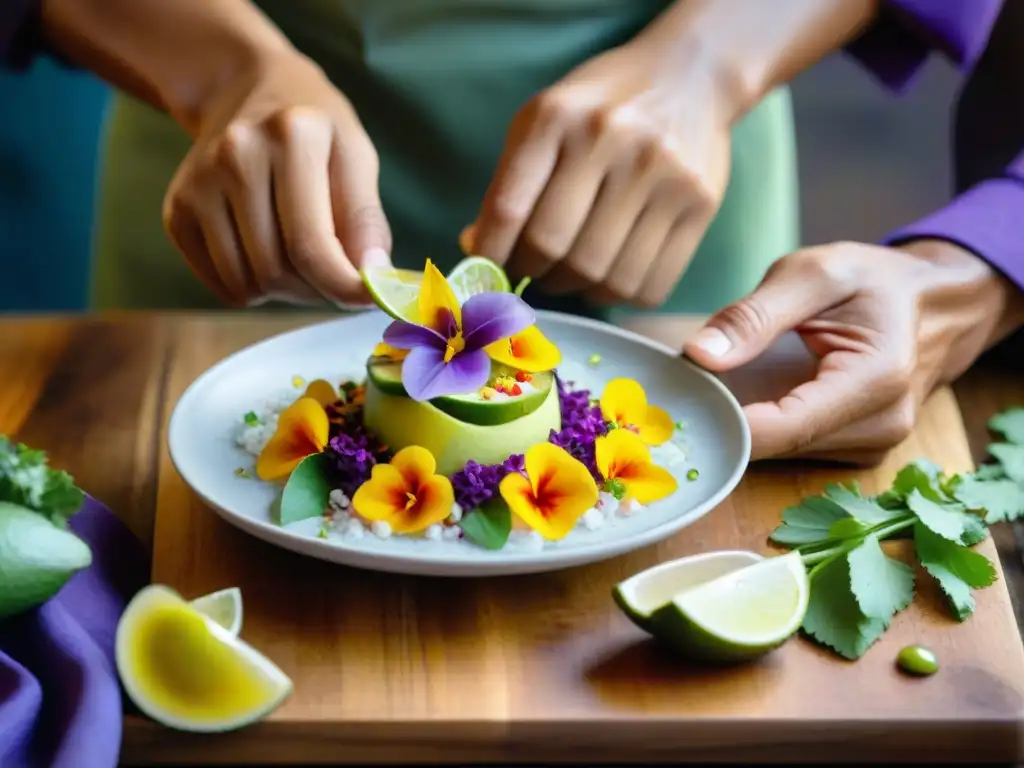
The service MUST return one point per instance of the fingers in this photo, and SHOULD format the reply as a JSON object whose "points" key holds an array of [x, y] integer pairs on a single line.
{"points": [[358, 212], [529, 158], [186, 234], [795, 289]]}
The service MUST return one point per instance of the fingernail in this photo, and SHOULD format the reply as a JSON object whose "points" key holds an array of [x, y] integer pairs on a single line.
{"points": [[376, 258], [467, 239], [713, 341]]}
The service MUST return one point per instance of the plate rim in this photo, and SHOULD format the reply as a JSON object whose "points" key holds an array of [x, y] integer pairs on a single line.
{"points": [[440, 565]]}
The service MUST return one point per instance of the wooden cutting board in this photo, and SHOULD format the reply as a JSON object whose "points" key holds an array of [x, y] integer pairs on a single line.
{"points": [[532, 668]]}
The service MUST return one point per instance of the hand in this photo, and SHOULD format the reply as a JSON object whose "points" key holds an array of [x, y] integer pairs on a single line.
{"points": [[610, 178], [278, 197], [887, 326]]}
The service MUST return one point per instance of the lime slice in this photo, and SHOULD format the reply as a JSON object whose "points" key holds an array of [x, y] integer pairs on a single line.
{"points": [[641, 595], [187, 672], [224, 607], [739, 616], [394, 290], [477, 274]]}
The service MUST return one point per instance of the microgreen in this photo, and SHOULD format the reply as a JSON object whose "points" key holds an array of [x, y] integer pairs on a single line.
{"points": [[489, 525], [856, 586], [27, 481]]}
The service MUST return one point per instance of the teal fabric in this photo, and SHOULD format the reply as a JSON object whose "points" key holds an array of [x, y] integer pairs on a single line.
{"points": [[49, 136], [436, 83]]}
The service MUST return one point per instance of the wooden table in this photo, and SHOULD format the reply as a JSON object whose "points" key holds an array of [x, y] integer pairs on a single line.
{"points": [[539, 668]]}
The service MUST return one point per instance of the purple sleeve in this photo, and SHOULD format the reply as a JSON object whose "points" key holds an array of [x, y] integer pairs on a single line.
{"points": [[19, 28], [987, 219], [897, 45]]}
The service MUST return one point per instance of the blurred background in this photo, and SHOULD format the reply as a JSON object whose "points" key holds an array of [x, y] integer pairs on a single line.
{"points": [[869, 162]]}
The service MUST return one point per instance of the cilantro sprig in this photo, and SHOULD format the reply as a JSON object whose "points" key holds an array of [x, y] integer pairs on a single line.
{"points": [[28, 481], [856, 587]]}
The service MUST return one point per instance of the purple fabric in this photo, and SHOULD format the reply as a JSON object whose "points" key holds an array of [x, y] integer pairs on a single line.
{"points": [[60, 699]]}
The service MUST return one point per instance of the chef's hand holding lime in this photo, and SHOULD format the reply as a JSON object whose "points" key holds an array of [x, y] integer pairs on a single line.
{"points": [[278, 197]]}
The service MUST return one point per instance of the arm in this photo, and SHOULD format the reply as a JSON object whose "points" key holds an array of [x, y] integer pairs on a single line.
{"points": [[173, 55]]}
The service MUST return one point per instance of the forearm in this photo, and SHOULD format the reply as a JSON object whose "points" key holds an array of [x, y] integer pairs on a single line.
{"points": [[751, 46], [173, 54]]}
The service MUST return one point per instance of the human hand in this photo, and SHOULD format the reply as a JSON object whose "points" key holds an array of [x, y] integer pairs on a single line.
{"points": [[610, 178], [887, 326], [278, 197]]}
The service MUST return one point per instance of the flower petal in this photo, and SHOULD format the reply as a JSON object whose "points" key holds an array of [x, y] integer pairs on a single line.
{"points": [[648, 483], [322, 391], [563, 489], [657, 427], [426, 375], [437, 305], [302, 430], [403, 335], [382, 496], [517, 491], [615, 452], [416, 465], [434, 500], [386, 350], [624, 401], [488, 317]]}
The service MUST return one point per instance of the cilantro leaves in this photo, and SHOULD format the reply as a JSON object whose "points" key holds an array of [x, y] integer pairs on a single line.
{"points": [[856, 587], [27, 481]]}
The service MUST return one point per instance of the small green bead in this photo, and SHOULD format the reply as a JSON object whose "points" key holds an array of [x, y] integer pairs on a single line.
{"points": [[917, 660], [692, 475]]}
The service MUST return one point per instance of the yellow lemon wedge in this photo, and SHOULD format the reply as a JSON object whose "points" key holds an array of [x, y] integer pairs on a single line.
{"points": [[188, 672]]}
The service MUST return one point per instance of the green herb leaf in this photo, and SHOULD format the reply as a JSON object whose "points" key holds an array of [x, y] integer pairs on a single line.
{"points": [[847, 528], [307, 491], [808, 522], [956, 568], [1000, 499], [881, 584], [921, 476], [1010, 424], [489, 525], [949, 520], [27, 481], [990, 472], [251, 419], [36, 558], [834, 617], [1011, 457], [865, 510]]}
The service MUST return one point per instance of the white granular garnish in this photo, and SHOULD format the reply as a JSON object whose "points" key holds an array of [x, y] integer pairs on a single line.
{"points": [[351, 528], [530, 541], [592, 519], [381, 529], [456, 514], [338, 500], [434, 532], [450, 533], [629, 507]]}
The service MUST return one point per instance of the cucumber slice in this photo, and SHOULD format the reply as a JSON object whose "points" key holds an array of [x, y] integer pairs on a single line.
{"points": [[470, 408]]}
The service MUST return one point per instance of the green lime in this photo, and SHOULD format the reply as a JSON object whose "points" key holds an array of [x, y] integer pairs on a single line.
{"points": [[476, 274], [739, 616], [395, 291], [223, 607], [471, 408], [640, 595]]}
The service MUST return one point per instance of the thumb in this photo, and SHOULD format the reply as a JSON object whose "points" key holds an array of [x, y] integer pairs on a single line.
{"points": [[795, 289], [359, 218]]}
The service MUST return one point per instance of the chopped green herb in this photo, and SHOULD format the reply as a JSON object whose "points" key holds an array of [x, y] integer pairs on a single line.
{"points": [[242, 472], [680, 425], [252, 420], [594, 359], [616, 488], [322, 533], [521, 287], [692, 475]]}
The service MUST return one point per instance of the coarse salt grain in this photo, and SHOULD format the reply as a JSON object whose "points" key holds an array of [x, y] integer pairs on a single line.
{"points": [[451, 533], [456, 513], [381, 529], [629, 507], [338, 500], [353, 529], [434, 532], [593, 519]]}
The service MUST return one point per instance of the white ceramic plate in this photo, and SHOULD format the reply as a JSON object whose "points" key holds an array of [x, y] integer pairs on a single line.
{"points": [[204, 423]]}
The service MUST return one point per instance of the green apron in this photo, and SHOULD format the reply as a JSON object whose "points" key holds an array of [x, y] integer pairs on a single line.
{"points": [[436, 83]]}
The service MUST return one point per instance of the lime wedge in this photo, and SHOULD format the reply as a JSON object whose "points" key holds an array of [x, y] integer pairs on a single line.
{"points": [[223, 607], [641, 595], [394, 290], [187, 672], [738, 616], [477, 274]]}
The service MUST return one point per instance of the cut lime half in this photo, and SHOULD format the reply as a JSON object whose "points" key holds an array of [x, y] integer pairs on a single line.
{"points": [[394, 290], [223, 607], [641, 595], [738, 616], [476, 274]]}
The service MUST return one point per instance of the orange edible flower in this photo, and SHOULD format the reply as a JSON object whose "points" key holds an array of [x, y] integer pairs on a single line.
{"points": [[301, 431], [386, 350], [624, 403], [323, 392], [555, 493], [529, 350], [406, 494], [622, 458]]}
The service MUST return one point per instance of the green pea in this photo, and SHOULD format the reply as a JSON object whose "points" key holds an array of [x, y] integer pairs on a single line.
{"points": [[917, 660], [692, 475]]}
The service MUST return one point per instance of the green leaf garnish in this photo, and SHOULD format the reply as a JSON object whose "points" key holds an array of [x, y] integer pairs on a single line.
{"points": [[489, 525], [833, 616], [1010, 424], [956, 568], [1011, 457], [1001, 498], [27, 481], [881, 585], [252, 420], [307, 491], [616, 488]]}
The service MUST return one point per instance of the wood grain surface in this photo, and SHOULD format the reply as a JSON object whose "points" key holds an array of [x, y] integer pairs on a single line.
{"points": [[404, 669]]}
